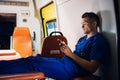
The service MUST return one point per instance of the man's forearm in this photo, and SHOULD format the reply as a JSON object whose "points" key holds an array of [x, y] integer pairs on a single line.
{"points": [[88, 65]]}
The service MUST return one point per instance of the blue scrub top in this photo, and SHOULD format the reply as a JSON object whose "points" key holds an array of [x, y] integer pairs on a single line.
{"points": [[93, 48]]}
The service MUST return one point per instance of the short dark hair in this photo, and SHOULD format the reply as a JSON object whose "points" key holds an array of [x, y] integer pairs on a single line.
{"points": [[92, 16]]}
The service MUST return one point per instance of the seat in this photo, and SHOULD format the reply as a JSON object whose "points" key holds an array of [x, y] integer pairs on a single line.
{"points": [[51, 47], [22, 41], [24, 76]]}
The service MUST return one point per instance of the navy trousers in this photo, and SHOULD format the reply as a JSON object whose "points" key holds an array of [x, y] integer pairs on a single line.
{"points": [[59, 69]]}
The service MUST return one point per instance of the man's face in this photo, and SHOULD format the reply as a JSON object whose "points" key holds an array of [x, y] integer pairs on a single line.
{"points": [[87, 25]]}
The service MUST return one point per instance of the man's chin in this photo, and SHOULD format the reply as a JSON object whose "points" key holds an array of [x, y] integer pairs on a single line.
{"points": [[86, 32]]}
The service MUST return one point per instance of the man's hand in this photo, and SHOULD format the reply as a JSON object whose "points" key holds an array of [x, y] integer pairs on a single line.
{"points": [[64, 48]]}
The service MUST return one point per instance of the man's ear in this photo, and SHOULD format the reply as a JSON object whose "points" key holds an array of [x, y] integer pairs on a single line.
{"points": [[94, 23]]}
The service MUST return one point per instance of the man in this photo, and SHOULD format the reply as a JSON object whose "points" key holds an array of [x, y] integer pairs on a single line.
{"points": [[90, 52]]}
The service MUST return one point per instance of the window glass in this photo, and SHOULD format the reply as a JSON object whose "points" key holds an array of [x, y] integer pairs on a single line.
{"points": [[51, 26]]}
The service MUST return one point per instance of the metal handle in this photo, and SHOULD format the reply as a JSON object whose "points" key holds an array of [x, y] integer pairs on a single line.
{"points": [[56, 32]]}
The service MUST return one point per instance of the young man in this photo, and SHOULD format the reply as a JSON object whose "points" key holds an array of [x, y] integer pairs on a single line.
{"points": [[90, 52]]}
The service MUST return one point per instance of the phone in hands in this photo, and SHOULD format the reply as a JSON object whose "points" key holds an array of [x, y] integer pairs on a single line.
{"points": [[60, 42]]}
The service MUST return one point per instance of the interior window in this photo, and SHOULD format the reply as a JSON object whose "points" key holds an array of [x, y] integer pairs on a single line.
{"points": [[51, 26]]}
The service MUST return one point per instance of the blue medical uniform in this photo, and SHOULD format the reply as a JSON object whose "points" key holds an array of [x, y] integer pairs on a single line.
{"points": [[94, 48]]}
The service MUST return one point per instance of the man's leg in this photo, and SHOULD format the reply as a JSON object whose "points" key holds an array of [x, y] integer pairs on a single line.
{"points": [[15, 66], [52, 67]]}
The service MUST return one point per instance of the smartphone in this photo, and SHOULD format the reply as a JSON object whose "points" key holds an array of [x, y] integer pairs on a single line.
{"points": [[60, 42]]}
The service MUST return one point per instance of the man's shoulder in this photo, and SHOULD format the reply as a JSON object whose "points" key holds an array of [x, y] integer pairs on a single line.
{"points": [[100, 36]]}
